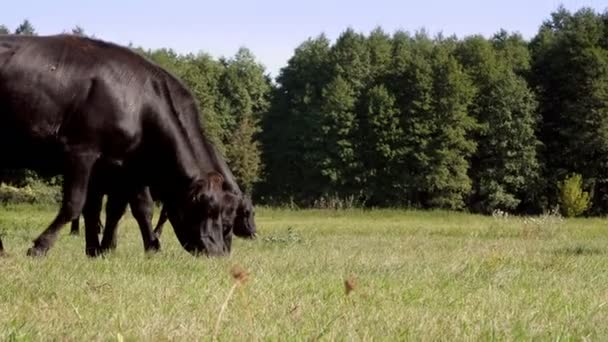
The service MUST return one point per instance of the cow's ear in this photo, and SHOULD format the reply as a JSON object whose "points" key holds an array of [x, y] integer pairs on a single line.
{"points": [[215, 181]]}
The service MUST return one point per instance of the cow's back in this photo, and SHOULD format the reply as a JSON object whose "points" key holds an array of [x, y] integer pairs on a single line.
{"points": [[54, 89]]}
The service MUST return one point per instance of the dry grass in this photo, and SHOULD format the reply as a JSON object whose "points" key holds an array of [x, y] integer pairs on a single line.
{"points": [[240, 276]]}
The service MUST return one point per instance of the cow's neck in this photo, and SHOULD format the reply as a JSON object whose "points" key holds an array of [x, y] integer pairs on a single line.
{"points": [[206, 154], [174, 149]]}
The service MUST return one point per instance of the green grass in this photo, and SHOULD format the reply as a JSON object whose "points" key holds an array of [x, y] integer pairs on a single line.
{"points": [[418, 276]]}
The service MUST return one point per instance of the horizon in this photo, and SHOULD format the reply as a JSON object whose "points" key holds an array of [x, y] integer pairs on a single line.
{"points": [[272, 30]]}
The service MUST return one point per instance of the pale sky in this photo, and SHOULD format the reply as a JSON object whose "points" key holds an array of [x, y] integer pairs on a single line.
{"points": [[272, 29]]}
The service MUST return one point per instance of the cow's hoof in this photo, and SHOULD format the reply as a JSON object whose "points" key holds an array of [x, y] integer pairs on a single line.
{"points": [[154, 246], [36, 252], [93, 252], [74, 233], [108, 246], [104, 251]]}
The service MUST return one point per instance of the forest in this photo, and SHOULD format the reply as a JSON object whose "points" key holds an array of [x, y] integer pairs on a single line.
{"points": [[406, 120]]}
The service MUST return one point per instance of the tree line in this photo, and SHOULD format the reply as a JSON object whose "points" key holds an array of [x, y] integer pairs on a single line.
{"points": [[410, 120]]}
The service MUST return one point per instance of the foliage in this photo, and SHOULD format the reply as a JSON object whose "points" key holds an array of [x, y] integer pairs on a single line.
{"points": [[505, 164], [291, 137], [36, 192], [25, 28], [570, 71], [574, 201], [243, 98]]}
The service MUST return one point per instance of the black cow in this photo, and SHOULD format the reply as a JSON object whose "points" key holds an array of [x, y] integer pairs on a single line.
{"points": [[71, 104]]}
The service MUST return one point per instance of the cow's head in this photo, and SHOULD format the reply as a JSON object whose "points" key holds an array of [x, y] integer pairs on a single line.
{"points": [[244, 222], [198, 220], [237, 218], [230, 204]]}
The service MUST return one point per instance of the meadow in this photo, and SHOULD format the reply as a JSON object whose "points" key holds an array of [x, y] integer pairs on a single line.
{"points": [[316, 275]]}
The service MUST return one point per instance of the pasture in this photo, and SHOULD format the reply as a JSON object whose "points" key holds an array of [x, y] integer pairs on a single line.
{"points": [[412, 275]]}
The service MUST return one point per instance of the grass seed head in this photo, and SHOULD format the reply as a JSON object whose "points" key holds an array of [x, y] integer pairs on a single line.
{"points": [[349, 285], [239, 274]]}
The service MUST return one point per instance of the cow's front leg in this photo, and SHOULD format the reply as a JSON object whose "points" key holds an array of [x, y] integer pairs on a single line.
{"points": [[75, 226], [75, 186], [142, 207]]}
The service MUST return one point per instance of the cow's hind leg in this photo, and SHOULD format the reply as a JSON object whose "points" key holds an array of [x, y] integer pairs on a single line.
{"points": [[76, 180], [75, 226], [142, 207], [115, 208], [163, 217]]}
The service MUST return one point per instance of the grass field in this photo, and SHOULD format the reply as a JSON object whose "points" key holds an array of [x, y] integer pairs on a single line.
{"points": [[413, 275]]}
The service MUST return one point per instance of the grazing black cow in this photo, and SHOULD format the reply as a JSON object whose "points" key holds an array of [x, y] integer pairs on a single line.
{"points": [[73, 104]]}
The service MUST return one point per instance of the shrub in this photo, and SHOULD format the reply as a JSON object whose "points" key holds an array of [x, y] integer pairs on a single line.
{"points": [[34, 192], [335, 202], [573, 200]]}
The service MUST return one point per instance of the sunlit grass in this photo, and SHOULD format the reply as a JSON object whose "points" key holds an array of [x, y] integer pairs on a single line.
{"points": [[412, 275]]}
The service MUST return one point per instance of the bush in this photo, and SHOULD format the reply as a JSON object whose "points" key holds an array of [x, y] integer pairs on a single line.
{"points": [[34, 192], [573, 200], [335, 202]]}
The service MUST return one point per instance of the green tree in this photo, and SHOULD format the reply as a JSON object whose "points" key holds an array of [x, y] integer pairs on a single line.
{"points": [[202, 74], [338, 125], [351, 73], [291, 132], [505, 166], [381, 149], [445, 181], [245, 92], [512, 49], [350, 59], [574, 201], [380, 49], [25, 28], [4, 30], [433, 94], [570, 73], [243, 153]]}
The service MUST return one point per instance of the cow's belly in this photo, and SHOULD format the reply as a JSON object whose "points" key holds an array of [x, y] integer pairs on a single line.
{"points": [[43, 155]]}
